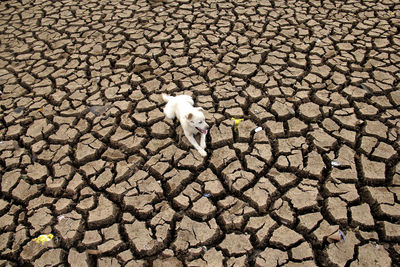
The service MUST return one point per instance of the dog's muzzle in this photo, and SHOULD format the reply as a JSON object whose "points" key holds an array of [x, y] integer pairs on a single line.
{"points": [[202, 131]]}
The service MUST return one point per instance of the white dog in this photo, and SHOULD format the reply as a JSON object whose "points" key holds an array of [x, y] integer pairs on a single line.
{"points": [[191, 118]]}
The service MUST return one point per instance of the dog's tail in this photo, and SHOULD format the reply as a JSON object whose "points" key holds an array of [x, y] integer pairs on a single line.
{"points": [[166, 97], [169, 107]]}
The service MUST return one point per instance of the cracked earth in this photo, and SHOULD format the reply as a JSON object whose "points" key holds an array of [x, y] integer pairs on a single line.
{"points": [[87, 155]]}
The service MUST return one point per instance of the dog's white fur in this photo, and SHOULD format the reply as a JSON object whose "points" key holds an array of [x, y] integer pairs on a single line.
{"points": [[191, 118]]}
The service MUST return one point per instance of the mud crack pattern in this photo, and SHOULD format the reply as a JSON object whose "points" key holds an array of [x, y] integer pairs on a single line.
{"points": [[87, 155]]}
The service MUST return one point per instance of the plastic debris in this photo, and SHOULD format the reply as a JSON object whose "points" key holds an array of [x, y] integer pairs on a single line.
{"points": [[40, 109], [236, 122], [43, 238], [98, 110], [207, 195], [342, 236], [335, 163], [61, 217], [291, 111], [318, 40], [257, 129], [337, 236]]}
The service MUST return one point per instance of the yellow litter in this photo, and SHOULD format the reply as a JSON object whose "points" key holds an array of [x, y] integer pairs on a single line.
{"points": [[236, 122], [43, 238]]}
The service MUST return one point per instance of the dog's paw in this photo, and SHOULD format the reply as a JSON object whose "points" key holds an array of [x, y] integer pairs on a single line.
{"points": [[202, 152]]}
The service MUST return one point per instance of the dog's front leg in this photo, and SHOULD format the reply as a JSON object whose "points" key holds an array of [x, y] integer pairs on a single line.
{"points": [[203, 141], [193, 141]]}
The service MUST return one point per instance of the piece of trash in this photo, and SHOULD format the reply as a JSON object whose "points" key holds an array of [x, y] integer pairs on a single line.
{"points": [[40, 109], [207, 195], [43, 238], [18, 109], [342, 236], [336, 163], [61, 217], [98, 110], [338, 236], [257, 129], [291, 111], [318, 40], [236, 122], [98, 79]]}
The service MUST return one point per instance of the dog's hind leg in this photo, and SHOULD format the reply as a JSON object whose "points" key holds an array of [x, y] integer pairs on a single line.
{"points": [[169, 111], [188, 99]]}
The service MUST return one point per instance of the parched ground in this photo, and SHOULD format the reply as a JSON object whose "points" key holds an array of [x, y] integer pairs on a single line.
{"points": [[87, 155]]}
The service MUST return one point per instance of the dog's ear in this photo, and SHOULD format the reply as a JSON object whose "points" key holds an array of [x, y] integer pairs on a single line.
{"points": [[189, 116], [199, 108]]}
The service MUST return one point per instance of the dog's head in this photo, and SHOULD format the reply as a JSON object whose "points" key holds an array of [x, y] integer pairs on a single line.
{"points": [[197, 120]]}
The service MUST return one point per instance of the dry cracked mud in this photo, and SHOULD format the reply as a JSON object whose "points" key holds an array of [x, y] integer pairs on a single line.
{"points": [[87, 155]]}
